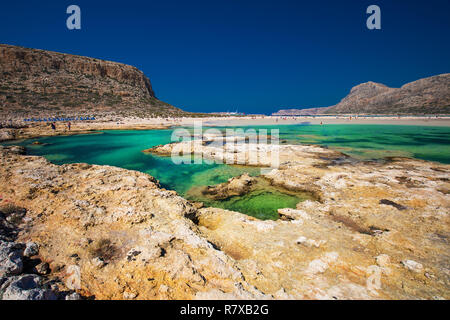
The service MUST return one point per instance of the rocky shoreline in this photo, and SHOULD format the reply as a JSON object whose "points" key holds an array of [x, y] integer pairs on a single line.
{"points": [[378, 230], [44, 130]]}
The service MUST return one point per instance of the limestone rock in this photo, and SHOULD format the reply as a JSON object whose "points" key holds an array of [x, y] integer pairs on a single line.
{"points": [[73, 296], [98, 262], [31, 249], [310, 242], [10, 258], [127, 295], [412, 265], [26, 287], [292, 214], [383, 260], [234, 187], [43, 268]]}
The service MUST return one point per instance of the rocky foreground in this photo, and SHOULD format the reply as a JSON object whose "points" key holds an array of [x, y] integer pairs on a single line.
{"points": [[378, 230]]}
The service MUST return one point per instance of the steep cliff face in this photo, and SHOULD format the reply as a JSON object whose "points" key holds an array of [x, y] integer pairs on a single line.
{"points": [[37, 82], [424, 96]]}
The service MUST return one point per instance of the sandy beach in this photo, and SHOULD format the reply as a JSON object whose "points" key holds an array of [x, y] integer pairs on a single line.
{"points": [[248, 121], [38, 129], [267, 120]]}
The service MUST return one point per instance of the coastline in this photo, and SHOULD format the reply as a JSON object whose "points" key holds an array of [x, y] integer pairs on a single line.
{"points": [[37, 130], [192, 252], [413, 121]]}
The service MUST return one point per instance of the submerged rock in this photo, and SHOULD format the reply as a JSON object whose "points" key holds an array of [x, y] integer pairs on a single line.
{"points": [[237, 186]]}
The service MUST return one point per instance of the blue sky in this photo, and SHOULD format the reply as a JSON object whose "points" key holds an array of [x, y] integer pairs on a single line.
{"points": [[257, 56]]}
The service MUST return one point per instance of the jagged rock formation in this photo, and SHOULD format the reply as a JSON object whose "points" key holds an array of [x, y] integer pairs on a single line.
{"points": [[43, 83], [23, 276], [426, 96]]}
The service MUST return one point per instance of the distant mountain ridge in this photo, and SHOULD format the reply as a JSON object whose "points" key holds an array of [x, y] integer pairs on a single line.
{"points": [[426, 96], [38, 82], [298, 112]]}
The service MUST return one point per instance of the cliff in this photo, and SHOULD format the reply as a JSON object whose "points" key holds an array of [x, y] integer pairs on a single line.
{"points": [[43, 83]]}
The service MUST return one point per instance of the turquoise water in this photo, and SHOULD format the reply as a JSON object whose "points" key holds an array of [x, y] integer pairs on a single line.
{"points": [[123, 149], [373, 141]]}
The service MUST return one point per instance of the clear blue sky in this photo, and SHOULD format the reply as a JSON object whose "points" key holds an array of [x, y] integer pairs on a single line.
{"points": [[257, 56]]}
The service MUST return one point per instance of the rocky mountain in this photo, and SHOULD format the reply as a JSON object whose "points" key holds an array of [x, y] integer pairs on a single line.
{"points": [[425, 96], [43, 83], [298, 112]]}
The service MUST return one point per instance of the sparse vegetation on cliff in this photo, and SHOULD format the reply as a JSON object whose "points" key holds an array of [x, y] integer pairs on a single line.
{"points": [[42, 83]]}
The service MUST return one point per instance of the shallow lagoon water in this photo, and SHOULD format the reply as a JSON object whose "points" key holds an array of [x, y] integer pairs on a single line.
{"points": [[372, 141], [123, 149]]}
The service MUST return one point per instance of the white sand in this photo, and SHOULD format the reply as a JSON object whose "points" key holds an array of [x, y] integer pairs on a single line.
{"points": [[248, 121]]}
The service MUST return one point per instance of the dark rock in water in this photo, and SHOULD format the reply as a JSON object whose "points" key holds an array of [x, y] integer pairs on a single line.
{"points": [[234, 187], [392, 203], [198, 205]]}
